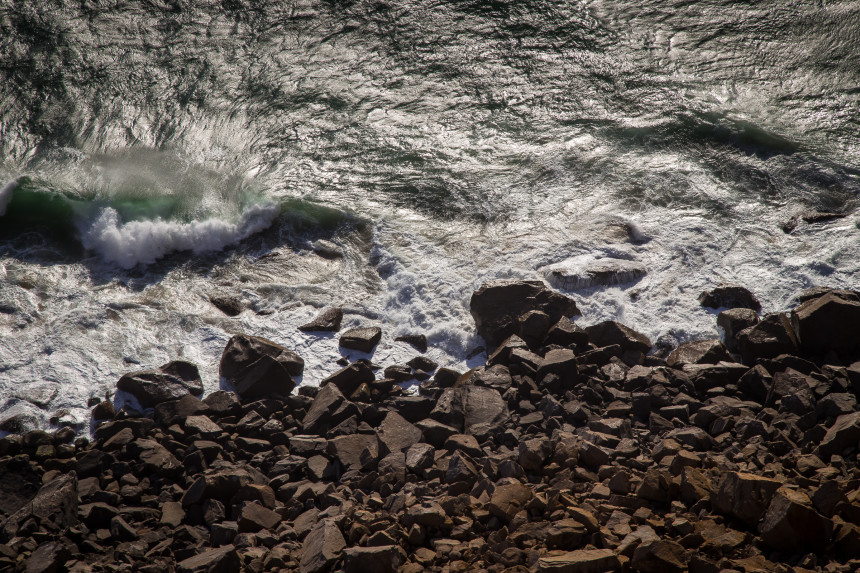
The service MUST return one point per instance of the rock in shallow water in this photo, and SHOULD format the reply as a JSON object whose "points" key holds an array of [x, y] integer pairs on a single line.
{"points": [[169, 382], [363, 339], [580, 273], [328, 320], [259, 368]]}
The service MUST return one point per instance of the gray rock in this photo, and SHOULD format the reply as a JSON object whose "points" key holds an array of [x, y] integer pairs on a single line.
{"points": [[363, 339], [169, 382], [328, 320]]}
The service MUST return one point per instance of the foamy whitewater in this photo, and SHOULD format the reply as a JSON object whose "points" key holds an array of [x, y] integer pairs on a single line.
{"points": [[390, 159]]}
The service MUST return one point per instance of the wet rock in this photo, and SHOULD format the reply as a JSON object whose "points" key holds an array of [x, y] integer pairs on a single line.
{"points": [[259, 368], [745, 496], [730, 296], [698, 352], [363, 339], [327, 320], [771, 337], [533, 327], [229, 305], [580, 561], [827, 323], [732, 321], [578, 273], [169, 382], [419, 341], [497, 306], [791, 524], [322, 547], [104, 410]]}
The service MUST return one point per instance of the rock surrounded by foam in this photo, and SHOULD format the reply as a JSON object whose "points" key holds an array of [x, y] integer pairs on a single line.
{"points": [[584, 272]]}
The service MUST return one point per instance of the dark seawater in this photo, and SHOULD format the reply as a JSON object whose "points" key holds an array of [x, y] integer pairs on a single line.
{"points": [[390, 157]]}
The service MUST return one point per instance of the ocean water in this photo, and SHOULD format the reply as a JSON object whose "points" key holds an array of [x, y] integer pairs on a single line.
{"points": [[390, 157]]}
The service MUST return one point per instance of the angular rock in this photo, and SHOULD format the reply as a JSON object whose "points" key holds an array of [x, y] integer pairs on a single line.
{"points": [[498, 305], [349, 378], [327, 320], [153, 456], [508, 500], [660, 556], [419, 341], [729, 296], [322, 547], [745, 496], [176, 411], [55, 503], [566, 333], [378, 559], [221, 484], [48, 558], [699, 352], [791, 524], [259, 368], [420, 457], [609, 332], [255, 517], [328, 409], [221, 560], [471, 409], [844, 433], [349, 449], [771, 337], [827, 323], [363, 339], [732, 321], [581, 561], [229, 305], [396, 434], [169, 382]]}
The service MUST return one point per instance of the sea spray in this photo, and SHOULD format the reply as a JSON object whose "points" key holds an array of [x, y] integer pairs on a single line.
{"points": [[134, 242]]}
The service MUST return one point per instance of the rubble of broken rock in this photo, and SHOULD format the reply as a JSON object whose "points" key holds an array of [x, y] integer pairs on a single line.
{"points": [[572, 450]]}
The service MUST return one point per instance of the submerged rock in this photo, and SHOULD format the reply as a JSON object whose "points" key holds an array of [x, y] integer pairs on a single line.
{"points": [[328, 320], [579, 273]]}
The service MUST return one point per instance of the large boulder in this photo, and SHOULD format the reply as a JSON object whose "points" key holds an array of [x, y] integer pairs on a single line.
{"points": [[745, 496], [169, 382], [609, 333], [732, 321], [328, 409], [328, 320], [580, 561], [349, 378], [791, 524], [259, 368], [769, 338], [498, 305], [55, 504], [363, 339], [729, 296], [699, 352], [829, 322], [471, 409], [322, 547], [845, 433]]}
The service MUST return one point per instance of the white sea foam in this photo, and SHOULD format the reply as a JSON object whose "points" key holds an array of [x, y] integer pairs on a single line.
{"points": [[128, 244]]}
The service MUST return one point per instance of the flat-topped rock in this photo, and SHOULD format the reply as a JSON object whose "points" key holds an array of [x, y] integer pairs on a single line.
{"points": [[363, 339]]}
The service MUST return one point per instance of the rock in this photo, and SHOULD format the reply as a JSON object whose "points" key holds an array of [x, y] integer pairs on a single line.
{"points": [[533, 453], [845, 433], [827, 323], [581, 561], [153, 457], [792, 525], [349, 449], [435, 433], [169, 382], [566, 333], [221, 484], [322, 547], [259, 368], [104, 411], [732, 321], [396, 434], [176, 411], [471, 409], [419, 341], [745, 496], [609, 333], [48, 558], [362, 339], [585, 272], [508, 500], [655, 486], [660, 556], [121, 530], [378, 559], [349, 378], [327, 320], [533, 327], [328, 409], [729, 296], [222, 402], [771, 337], [420, 457], [699, 352], [255, 517], [203, 426], [498, 305], [55, 503], [221, 560], [172, 514], [229, 305]]}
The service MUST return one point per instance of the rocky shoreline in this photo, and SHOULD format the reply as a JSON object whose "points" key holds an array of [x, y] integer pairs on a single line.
{"points": [[572, 450]]}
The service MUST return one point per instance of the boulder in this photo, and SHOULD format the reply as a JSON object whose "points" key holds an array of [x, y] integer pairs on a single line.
{"points": [[56, 503], [566, 333], [378, 559], [231, 306], [176, 411], [843, 434], [769, 338], [48, 558], [221, 484], [745, 496], [153, 456], [731, 322], [419, 341], [322, 547], [169, 382], [660, 556], [729, 296], [221, 560], [471, 409], [498, 305], [363, 339], [349, 450], [327, 320], [829, 322], [349, 378], [508, 500], [328, 409], [580, 561], [792, 525], [585, 272], [254, 517], [609, 333], [259, 368], [396, 434], [699, 352]]}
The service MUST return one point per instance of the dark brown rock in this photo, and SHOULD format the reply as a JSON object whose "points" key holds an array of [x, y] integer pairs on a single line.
{"points": [[254, 517], [48, 558], [791, 524], [56, 503], [471, 409], [729, 296], [221, 560], [349, 449], [498, 305], [170, 382], [259, 368], [349, 378], [322, 547], [327, 320], [419, 341], [845, 433], [660, 556], [769, 338], [508, 500], [699, 352], [580, 561], [396, 434], [745, 496], [734, 320], [363, 339], [229, 305], [609, 333], [328, 409], [827, 323], [378, 559]]}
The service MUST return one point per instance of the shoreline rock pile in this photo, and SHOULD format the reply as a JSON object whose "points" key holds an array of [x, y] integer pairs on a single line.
{"points": [[572, 450]]}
